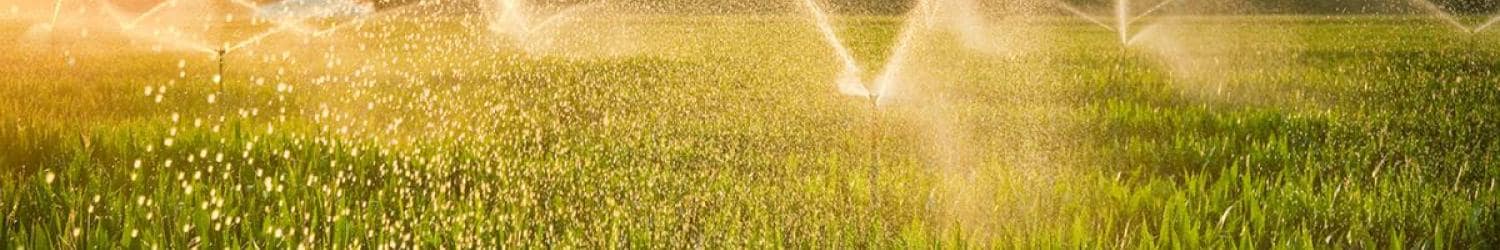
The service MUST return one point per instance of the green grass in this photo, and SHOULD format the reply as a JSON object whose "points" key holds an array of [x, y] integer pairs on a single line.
{"points": [[1255, 132]]}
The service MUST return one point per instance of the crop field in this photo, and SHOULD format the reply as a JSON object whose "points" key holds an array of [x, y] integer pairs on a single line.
{"points": [[731, 131]]}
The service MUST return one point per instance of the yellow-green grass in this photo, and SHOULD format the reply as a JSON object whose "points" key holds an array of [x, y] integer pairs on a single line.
{"points": [[1244, 132]]}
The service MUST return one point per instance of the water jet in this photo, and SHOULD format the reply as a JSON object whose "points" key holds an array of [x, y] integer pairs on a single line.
{"points": [[521, 23], [1123, 18], [850, 82], [1123, 21], [56, 15], [1471, 33], [1448, 17]]}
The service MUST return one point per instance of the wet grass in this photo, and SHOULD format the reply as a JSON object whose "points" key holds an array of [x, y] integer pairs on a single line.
{"points": [[1325, 132]]}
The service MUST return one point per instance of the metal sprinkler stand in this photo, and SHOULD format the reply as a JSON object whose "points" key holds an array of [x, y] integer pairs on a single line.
{"points": [[875, 135], [1471, 40], [219, 78], [1119, 70]]}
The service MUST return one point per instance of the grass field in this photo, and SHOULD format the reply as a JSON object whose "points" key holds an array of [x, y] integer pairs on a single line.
{"points": [[728, 132]]}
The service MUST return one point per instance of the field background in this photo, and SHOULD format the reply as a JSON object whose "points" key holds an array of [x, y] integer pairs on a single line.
{"points": [[726, 131]]}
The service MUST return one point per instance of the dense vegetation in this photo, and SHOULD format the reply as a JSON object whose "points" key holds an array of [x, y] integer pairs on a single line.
{"points": [[1253, 132]]}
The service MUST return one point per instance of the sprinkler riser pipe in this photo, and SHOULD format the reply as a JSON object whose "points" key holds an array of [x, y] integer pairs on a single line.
{"points": [[219, 77], [875, 153], [1119, 69]]}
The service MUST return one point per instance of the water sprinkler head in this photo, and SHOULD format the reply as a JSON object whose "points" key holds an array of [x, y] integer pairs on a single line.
{"points": [[850, 84]]}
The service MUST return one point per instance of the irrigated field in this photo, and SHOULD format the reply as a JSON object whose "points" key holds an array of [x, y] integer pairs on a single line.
{"points": [[1213, 132]]}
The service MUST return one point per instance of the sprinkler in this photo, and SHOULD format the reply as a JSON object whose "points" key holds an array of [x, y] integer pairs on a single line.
{"points": [[1121, 26], [1119, 70], [875, 138], [1472, 47], [1123, 18], [219, 78], [852, 85]]}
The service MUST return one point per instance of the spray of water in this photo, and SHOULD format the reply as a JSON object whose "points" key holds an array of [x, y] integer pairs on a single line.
{"points": [[56, 11], [293, 24], [962, 193], [1152, 10], [170, 36], [164, 24], [1442, 14], [45, 31], [181, 25], [132, 25], [1086, 16], [971, 27], [149, 12], [1124, 18], [850, 82], [535, 33], [902, 52], [1447, 17], [1487, 24], [376, 16], [256, 38]]}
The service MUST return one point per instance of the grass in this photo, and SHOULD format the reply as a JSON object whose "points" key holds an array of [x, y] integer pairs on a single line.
{"points": [[1249, 132]]}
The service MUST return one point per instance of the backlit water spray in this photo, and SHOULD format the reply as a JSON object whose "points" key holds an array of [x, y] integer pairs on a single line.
{"points": [[1123, 17], [1487, 24], [851, 81], [1123, 20], [1447, 17], [135, 26], [56, 11], [518, 20]]}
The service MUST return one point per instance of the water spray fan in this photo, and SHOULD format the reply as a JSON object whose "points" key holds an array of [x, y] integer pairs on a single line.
{"points": [[1123, 18], [851, 82]]}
